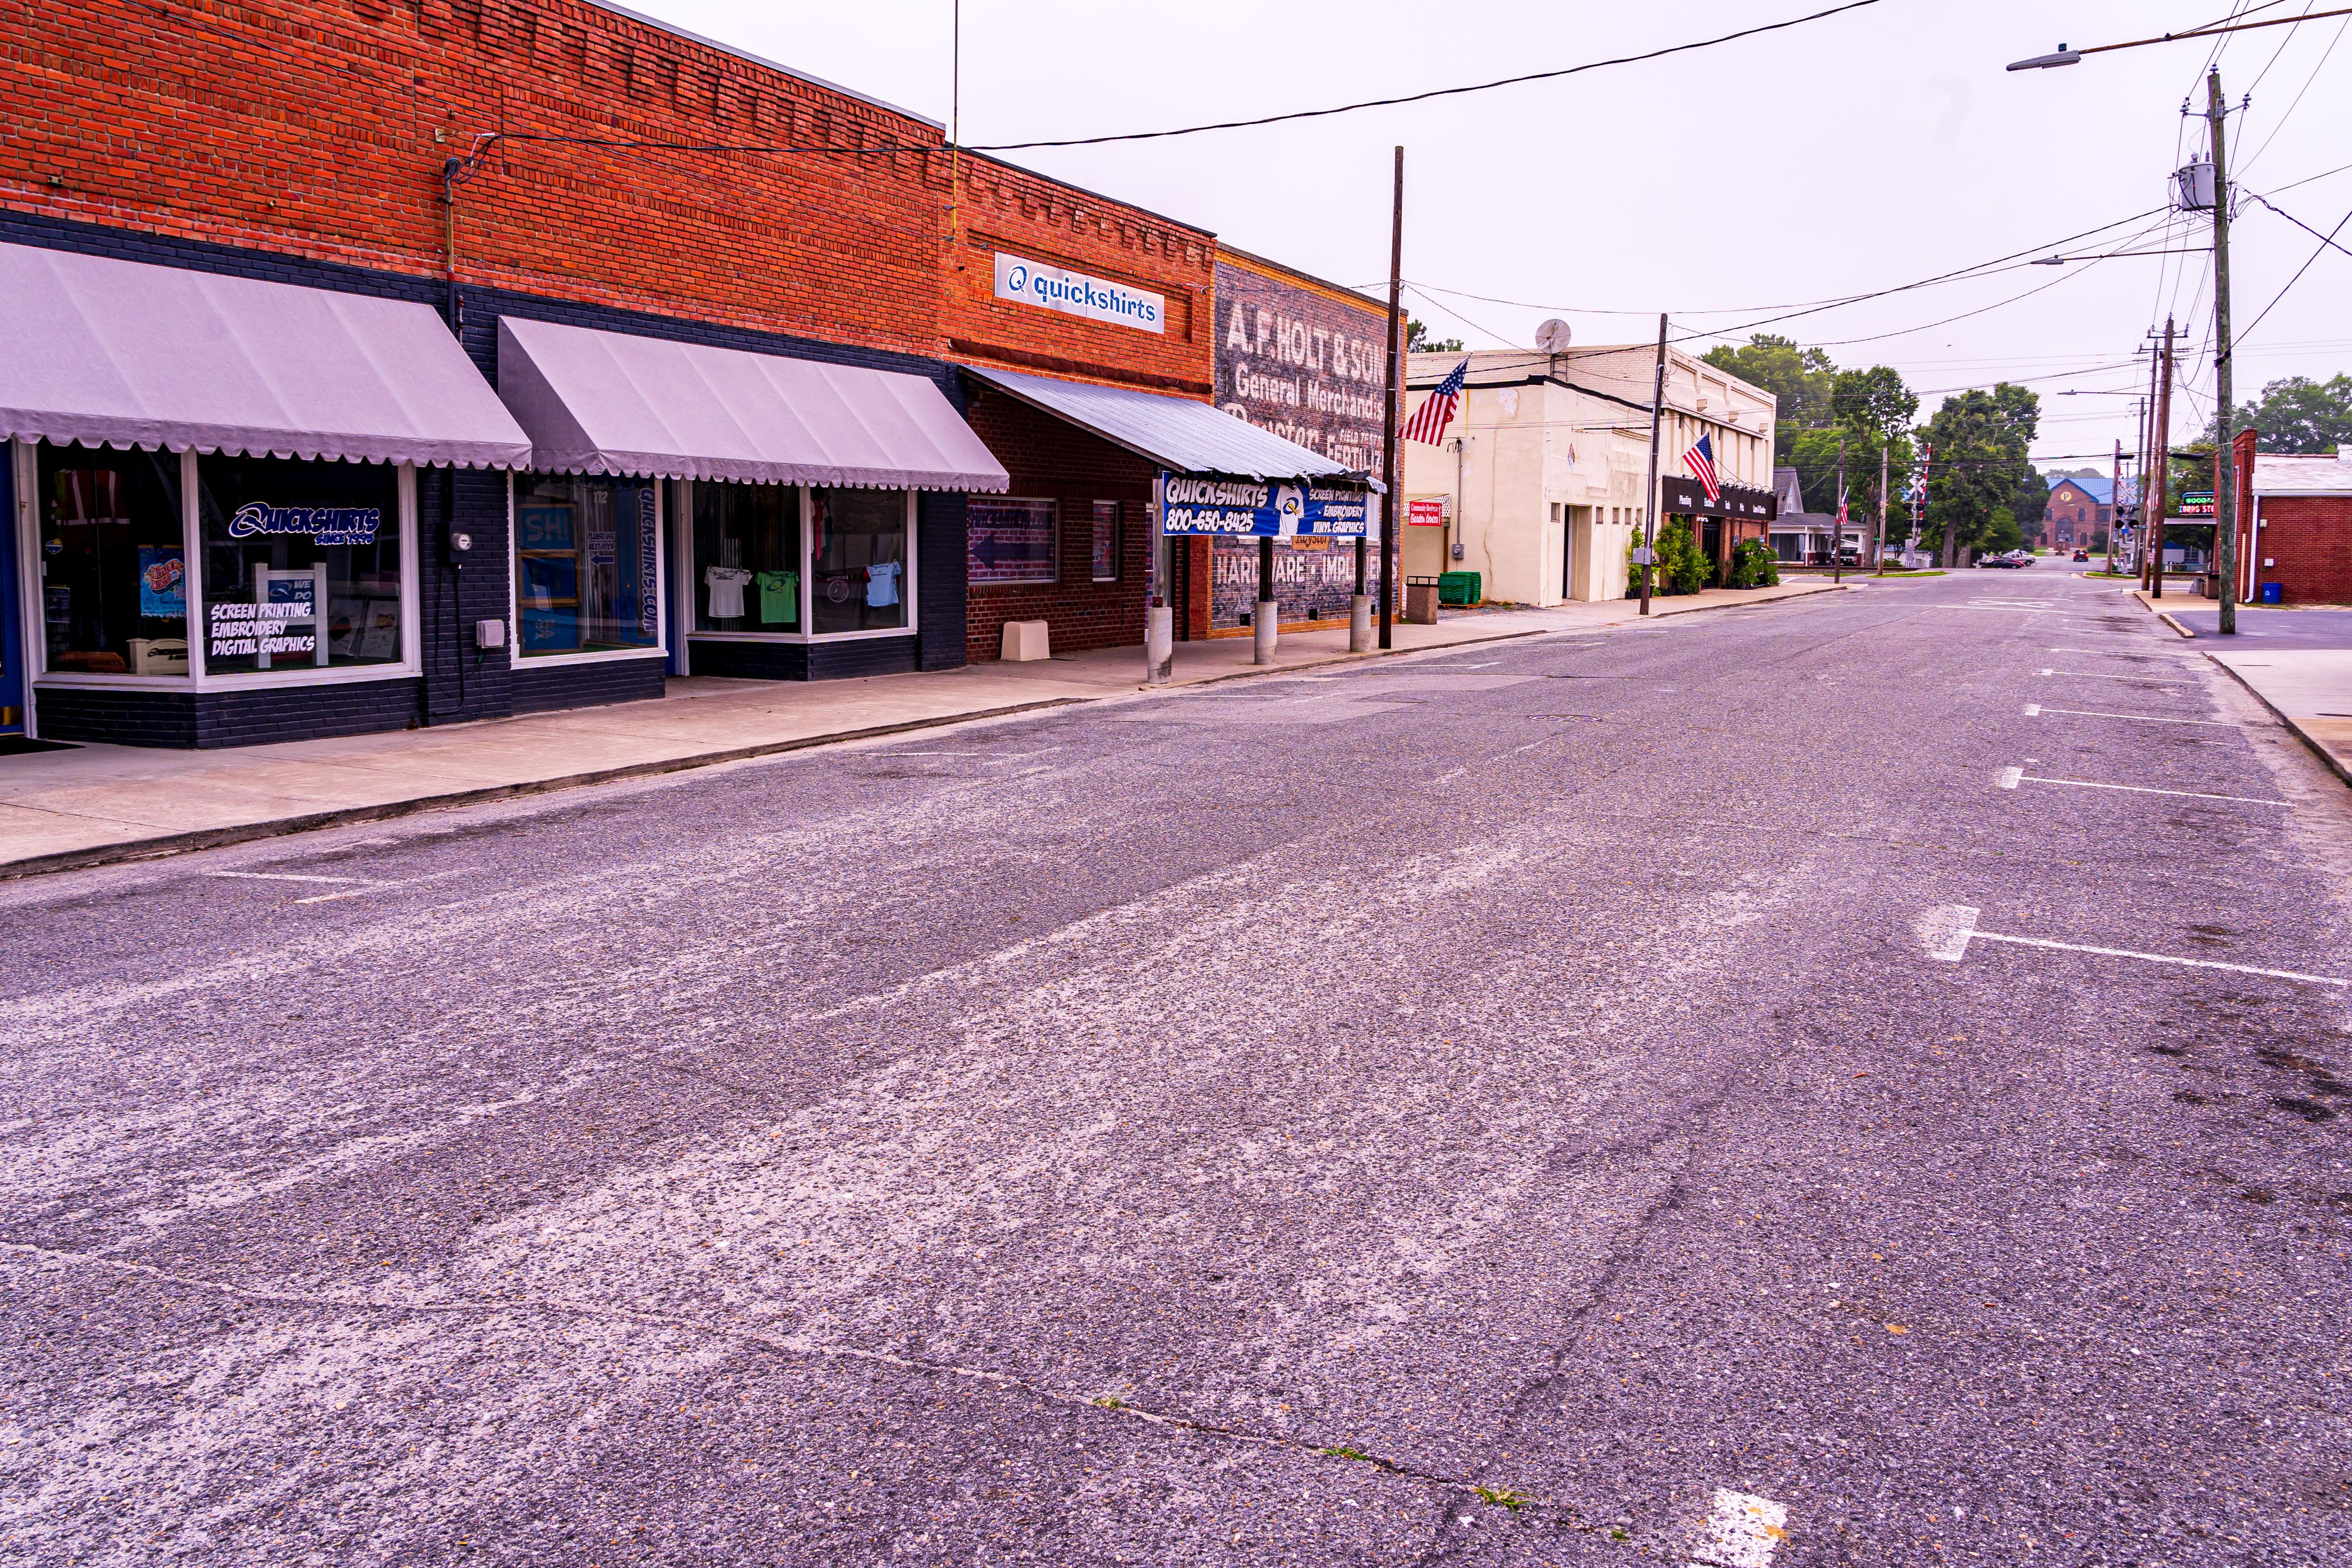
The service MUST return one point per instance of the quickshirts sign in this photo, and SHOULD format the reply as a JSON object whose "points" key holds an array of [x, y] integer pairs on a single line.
{"points": [[1197, 505], [1076, 294], [329, 524]]}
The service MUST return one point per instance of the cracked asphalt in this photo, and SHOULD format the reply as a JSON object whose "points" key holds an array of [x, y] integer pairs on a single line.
{"points": [[1467, 1108]]}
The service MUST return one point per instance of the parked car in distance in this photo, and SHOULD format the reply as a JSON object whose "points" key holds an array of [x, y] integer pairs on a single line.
{"points": [[2010, 560]]}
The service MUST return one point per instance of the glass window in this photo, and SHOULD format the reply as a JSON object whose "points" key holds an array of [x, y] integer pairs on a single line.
{"points": [[114, 576], [584, 564], [1010, 539], [746, 558], [301, 563], [858, 560], [1107, 541]]}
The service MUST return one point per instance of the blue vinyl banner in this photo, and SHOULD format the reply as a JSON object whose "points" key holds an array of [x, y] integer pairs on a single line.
{"points": [[1189, 505]]}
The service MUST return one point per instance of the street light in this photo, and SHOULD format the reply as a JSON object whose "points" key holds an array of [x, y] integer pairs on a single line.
{"points": [[2066, 57]]}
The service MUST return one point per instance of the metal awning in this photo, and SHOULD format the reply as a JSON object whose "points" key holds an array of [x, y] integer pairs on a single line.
{"points": [[609, 403], [1177, 434], [123, 353]]}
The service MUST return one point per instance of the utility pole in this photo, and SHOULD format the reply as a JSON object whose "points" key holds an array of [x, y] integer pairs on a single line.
{"points": [[1389, 414], [2225, 486], [2163, 450], [2155, 449], [1886, 468], [1837, 545], [2115, 492], [1649, 558]]}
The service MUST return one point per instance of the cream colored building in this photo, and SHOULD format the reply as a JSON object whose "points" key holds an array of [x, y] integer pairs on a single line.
{"points": [[1544, 467]]}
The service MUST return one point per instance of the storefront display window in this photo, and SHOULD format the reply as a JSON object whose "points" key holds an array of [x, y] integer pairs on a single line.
{"points": [[1010, 539], [302, 564], [858, 560], [1105, 541], [114, 578], [586, 567], [746, 558]]}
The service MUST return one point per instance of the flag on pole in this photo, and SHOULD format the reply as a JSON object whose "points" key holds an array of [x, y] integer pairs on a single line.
{"points": [[1428, 422], [1841, 508], [1700, 461]]}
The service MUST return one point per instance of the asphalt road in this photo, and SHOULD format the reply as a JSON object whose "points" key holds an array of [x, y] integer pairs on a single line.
{"points": [[1504, 1107]]}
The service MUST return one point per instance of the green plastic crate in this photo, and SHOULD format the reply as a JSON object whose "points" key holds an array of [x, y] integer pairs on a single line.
{"points": [[1457, 588]]}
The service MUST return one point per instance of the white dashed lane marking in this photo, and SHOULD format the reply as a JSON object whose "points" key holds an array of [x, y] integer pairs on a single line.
{"points": [[1946, 930], [2089, 675], [2010, 777], [1742, 1531], [2035, 710], [284, 876]]}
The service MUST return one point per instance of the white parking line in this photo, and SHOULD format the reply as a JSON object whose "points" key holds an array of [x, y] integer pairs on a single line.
{"points": [[283, 877], [1946, 930], [2093, 675], [2010, 777], [2112, 653], [2035, 710], [1742, 1531]]}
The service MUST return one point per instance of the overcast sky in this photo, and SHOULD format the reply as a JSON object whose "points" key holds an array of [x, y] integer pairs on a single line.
{"points": [[1857, 154]]}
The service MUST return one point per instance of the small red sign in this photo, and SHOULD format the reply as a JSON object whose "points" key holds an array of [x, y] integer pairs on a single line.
{"points": [[1428, 512]]}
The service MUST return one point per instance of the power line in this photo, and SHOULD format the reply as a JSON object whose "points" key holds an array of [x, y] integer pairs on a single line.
{"points": [[2326, 240], [483, 143], [2299, 95], [1436, 92]]}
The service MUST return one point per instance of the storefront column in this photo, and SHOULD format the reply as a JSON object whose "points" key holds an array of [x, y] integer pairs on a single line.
{"points": [[1359, 608], [1265, 621]]}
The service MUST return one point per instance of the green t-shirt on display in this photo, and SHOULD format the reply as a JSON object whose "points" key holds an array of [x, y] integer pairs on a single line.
{"points": [[780, 596]]}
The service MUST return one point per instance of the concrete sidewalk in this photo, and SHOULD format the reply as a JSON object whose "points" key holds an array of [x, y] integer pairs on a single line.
{"points": [[93, 804], [2309, 688], [2299, 664]]}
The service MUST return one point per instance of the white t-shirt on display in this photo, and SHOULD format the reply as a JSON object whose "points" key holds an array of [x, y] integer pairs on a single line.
{"points": [[726, 590]]}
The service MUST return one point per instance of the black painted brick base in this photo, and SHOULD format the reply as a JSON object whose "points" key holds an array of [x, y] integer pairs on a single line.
{"points": [[538, 688]]}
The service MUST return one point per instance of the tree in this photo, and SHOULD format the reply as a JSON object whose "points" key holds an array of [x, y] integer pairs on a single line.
{"points": [[2297, 415], [1980, 439], [1801, 378], [1417, 340]]}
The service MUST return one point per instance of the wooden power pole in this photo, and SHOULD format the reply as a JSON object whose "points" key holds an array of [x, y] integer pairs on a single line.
{"points": [[1388, 417]]}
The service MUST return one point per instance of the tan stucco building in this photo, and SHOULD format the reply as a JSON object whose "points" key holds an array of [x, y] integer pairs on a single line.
{"points": [[1544, 467]]}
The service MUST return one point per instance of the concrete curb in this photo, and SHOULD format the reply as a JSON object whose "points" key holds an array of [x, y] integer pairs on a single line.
{"points": [[2311, 742], [244, 832], [2164, 615], [165, 844]]}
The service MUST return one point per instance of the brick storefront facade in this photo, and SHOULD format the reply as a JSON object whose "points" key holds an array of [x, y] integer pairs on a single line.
{"points": [[1051, 460], [2307, 539]]}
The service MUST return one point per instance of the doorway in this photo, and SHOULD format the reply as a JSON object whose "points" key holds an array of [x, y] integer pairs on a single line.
{"points": [[13, 650]]}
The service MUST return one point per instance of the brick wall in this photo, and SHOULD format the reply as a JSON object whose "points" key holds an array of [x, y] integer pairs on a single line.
{"points": [[997, 206], [319, 128], [2310, 537], [1056, 461]]}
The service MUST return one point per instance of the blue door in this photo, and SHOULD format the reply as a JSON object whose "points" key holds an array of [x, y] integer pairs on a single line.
{"points": [[13, 652]]}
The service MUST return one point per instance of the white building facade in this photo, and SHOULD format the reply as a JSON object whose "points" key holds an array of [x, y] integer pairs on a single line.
{"points": [[1542, 474]]}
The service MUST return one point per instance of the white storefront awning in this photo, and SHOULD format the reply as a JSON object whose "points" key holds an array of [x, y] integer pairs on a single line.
{"points": [[124, 353], [1178, 434], [610, 403]]}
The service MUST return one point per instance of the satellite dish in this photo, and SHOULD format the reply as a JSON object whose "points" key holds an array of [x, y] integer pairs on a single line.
{"points": [[1552, 336]]}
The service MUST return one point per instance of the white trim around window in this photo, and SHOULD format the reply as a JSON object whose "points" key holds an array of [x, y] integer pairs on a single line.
{"points": [[198, 679], [517, 660], [808, 587]]}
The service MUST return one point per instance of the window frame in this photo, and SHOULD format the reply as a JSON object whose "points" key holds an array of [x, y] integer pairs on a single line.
{"points": [[199, 678], [684, 544], [516, 658], [1055, 566]]}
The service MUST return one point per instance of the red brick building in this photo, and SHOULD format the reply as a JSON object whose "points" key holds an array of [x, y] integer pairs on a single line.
{"points": [[2298, 512], [506, 163]]}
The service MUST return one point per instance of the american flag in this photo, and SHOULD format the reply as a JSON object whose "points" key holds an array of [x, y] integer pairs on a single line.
{"points": [[1428, 422], [1700, 461]]}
